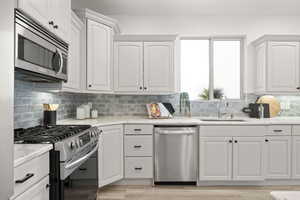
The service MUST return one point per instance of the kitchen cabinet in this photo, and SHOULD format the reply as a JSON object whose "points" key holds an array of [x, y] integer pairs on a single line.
{"points": [[146, 64], [110, 155], [215, 158], [277, 64], [296, 157], [97, 51], [158, 67], [248, 158], [128, 66], [138, 148], [99, 56], [39, 191], [75, 62], [52, 14], [229, 158], [278, 157]]}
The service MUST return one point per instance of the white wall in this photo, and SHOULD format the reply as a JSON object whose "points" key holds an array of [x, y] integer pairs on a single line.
{"points": [[6, 97], [251, 26]]}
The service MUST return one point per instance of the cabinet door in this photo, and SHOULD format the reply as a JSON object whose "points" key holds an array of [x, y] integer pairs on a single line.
{"points": [[215, 161], [39, 191], [261, 67], [37, 9], [99, 47], [158, 67], [61, 16], [296, 158], [283, 66], [248, 158], [128, 66], [110, 155], [278, 157], [74, 65]]}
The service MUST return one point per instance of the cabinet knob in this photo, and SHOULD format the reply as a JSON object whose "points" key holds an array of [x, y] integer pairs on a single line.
{"points": [[230, 141], [266, 140], [298, 88], [90, 85], [51, 23], [235, 141], [145, 88], [55, 26], [48, 186], [141, 87]]}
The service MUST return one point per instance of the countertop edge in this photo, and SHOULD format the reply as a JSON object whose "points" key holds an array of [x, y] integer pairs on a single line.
{"points": [[43, 148]]}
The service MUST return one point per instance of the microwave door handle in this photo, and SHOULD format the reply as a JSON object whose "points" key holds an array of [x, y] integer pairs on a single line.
{"points": [[61, 61]]}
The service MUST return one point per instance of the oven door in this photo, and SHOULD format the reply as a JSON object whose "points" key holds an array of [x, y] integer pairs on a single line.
{"points": [[82, 178], [34, 54]]}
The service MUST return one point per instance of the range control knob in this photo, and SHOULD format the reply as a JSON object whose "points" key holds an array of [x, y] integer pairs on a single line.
{"points": [[80, 143], [71, 145]]}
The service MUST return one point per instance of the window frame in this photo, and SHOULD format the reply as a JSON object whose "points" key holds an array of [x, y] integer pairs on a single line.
{"points": [[211, 39]]}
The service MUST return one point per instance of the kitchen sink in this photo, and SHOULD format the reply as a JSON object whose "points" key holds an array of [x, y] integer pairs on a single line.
{"points": [[223, 120]]}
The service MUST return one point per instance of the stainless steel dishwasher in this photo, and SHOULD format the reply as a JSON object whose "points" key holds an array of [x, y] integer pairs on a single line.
{"points": [[175, 154]]}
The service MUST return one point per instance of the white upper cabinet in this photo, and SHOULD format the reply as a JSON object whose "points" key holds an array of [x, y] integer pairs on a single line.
{"points": [[128, 66], [54, 15], [277, 64], [283, 66], [110, 155], [145, 64], [75, 50], [99, 56], [61, 11], [158, 67], [37, 9], [248, 162]]}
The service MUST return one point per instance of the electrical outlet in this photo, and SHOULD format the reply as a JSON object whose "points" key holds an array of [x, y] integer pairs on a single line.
{"points": [[285, 105]]}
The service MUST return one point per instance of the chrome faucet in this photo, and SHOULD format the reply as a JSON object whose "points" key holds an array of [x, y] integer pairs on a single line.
{"points": [[223, 99]]}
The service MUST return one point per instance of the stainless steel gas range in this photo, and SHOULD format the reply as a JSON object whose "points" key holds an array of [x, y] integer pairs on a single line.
{"points": [[73, 145]]}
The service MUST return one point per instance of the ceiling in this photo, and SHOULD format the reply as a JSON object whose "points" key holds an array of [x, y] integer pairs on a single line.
{"points": [[191, 7]]}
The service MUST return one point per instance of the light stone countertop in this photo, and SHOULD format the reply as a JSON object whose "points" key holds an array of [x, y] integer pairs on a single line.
{"points": [[26, 152], [114, 120]]}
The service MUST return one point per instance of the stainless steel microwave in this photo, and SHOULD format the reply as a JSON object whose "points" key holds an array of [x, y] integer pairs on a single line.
{"points": [[40, 55]]}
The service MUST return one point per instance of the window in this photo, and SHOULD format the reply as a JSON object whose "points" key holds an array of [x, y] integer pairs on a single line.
{"points": [[211, 68]]}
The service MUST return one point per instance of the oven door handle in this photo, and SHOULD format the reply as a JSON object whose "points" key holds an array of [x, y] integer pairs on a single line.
{"points": [[82, 159]]}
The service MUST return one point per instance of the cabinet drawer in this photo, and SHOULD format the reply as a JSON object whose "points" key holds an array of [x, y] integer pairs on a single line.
{"points": [[39, 191], [296, 129], [138, 145], [30, 173], [232, 131], [279, 130], [132, 129], [138, 167]]}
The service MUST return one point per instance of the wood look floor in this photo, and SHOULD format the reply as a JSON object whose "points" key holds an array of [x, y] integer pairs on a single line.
{"points": [[189, 192]]}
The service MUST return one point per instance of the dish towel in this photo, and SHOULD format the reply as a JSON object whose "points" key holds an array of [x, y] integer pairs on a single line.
{"points": [[285, 195]]}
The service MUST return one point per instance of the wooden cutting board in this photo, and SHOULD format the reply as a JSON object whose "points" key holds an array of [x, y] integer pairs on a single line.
{"points": [[274, 104]]}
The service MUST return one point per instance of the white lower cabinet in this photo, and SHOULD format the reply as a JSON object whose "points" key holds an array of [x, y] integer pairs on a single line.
{"points": [[110, 155], [248, 158], [278, 157], [40, 191], [138, 167], [296, 158], [215, 158], [231, 158]]}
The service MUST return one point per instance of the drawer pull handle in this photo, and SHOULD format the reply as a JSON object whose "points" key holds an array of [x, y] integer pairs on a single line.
{"points": [[82, 169], [27, 177], [277, 131], [137, 129], [138, 168], [137, 146]]}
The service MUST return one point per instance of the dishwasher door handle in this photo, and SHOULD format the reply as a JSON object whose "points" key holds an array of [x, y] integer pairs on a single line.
{"points": [[172, 132]]}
